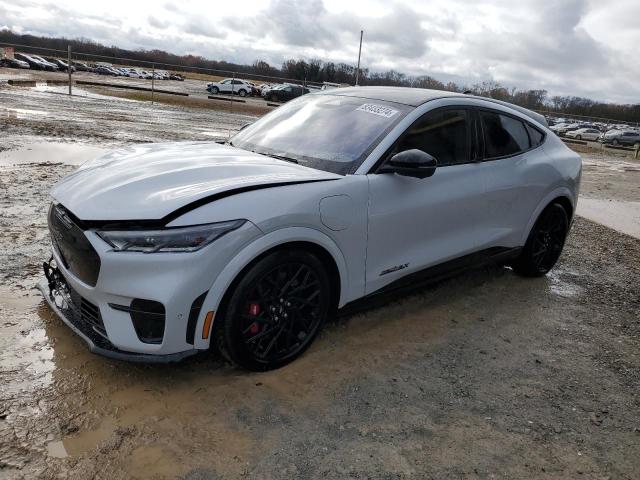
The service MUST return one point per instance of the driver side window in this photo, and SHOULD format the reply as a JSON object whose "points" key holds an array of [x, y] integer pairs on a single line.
{"points": [[443, 134]]}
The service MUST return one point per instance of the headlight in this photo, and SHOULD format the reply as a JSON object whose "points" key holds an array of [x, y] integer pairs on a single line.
{"points": [[180, 239]]}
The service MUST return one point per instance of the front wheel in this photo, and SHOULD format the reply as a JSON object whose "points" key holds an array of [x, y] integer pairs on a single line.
{"points": [[545, 243], [615, 142], [215, 90], [579, 137], [274, 311]]}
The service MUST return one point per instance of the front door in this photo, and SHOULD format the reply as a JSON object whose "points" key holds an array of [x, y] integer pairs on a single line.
{"points": [[417, 223]]}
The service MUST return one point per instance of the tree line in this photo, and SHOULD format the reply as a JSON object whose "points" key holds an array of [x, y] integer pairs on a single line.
{"points": [[318, 71]]}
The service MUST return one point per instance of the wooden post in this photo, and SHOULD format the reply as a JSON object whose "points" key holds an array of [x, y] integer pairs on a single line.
{"points": [[69, 65], [153, 79]]}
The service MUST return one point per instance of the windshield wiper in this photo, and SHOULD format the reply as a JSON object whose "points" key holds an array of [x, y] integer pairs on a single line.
{"points": [[281, 157]]}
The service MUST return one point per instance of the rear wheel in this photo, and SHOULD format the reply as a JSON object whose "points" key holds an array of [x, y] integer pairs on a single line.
{"points": [[275, 311], [242, 93], [615, 141], [545, 243]]}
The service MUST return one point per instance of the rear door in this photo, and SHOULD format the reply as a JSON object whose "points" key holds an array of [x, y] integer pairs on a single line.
{"points": [[417, 223], [516, 174]]}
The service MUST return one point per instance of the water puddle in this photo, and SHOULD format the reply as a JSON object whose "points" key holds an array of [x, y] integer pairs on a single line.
{"points": [[82, 442], [51, 152], [24, 113], [77, 92], [622, 216], [559, 285], [222, 134]]}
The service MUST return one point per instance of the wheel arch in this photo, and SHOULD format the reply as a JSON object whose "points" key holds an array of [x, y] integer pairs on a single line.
{"points": [[561, 196], [295, 237]]}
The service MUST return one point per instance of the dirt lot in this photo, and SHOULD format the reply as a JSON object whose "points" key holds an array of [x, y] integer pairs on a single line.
{"points": [[485, 376]]}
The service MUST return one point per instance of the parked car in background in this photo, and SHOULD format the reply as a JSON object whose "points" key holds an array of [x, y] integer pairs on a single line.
{"points": [[229, 85], [81, 67], [102, 70], [265, 87], [567, 128], [164, 250], [285, 93], [61, 64], [621, 137], [35, 62], [13, 63], [584, 134], [176, 76], [52, 67]]}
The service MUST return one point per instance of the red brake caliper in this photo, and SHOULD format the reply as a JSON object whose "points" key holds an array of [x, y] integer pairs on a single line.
{"points": [[254, 310]]}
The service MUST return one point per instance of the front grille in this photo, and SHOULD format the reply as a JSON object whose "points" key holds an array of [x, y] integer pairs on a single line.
{"points": [[80, 311], [71, 244]]}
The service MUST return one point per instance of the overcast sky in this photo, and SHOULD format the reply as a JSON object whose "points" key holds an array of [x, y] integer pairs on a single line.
{"points": [[574, 47]]}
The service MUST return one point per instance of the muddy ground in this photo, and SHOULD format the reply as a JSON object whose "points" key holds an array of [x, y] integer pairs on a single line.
{"points": [[487, 375]]}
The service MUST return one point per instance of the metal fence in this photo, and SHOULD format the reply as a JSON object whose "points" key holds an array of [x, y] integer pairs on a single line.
{"points": [[79, 78], [77, 56]]}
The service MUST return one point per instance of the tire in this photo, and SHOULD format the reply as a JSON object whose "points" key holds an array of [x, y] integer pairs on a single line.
{"points": [[274, 311], [215, 90], [544, 244], [615, 141], [242, 93], [636, 145], [578, 137]]}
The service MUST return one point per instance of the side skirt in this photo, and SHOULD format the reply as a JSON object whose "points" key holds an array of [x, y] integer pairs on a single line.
{"points": [[418, 280]]}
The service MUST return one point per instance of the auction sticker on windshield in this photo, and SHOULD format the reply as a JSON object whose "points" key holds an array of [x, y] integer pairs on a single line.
{"points": [[377, 110]]}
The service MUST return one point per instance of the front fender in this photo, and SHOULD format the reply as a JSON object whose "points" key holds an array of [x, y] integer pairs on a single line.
{"points": [[257, 247]]}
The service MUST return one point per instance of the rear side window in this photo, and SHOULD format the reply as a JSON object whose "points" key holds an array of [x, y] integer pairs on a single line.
{"points": [[444, 134], [535, 135], [503, 135]]}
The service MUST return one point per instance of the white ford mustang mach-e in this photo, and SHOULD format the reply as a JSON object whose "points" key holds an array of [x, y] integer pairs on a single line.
{"points": [[163, 250]]}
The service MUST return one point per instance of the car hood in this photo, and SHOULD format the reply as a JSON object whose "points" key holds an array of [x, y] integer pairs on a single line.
{"points": [[152, 181]]}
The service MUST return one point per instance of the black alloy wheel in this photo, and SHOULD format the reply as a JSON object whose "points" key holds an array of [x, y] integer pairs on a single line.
{"points": [[275, 311], [545, 243]]}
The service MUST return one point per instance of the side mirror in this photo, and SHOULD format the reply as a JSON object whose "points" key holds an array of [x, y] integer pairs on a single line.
{"points": [[411, 163]]}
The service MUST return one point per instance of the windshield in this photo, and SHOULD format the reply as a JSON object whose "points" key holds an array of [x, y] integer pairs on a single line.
{"points": [[327, 132]]}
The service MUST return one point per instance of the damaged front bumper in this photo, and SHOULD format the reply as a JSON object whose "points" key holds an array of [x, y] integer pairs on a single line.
{"points": [[83, 318]]}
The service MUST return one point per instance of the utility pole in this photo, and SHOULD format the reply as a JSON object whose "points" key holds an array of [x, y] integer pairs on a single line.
{"points": [[359, 52], [69, 65], [153, 80]]}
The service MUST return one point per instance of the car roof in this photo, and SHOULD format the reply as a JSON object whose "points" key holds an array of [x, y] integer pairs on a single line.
{"points": [[415, 97]]}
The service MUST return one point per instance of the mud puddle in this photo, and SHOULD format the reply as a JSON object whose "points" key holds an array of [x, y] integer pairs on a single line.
{"points": [[51, 152], [622, 216], [78, 92]]}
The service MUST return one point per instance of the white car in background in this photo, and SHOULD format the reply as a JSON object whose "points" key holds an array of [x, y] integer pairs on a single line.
{"points": [[230, 85], [584, 134], [163, 250]]}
